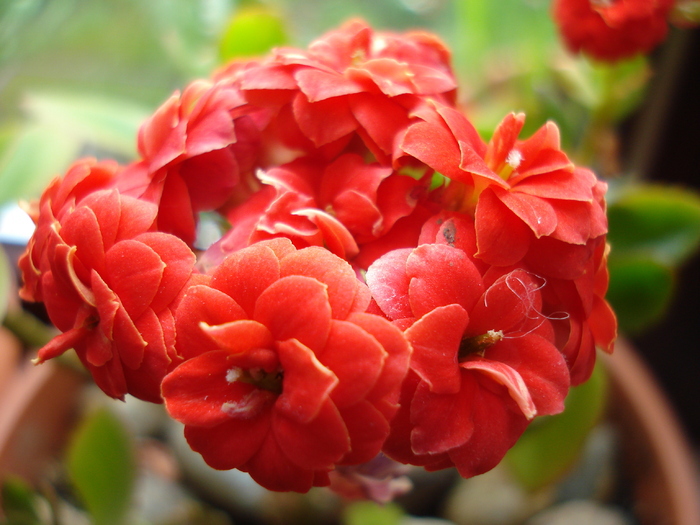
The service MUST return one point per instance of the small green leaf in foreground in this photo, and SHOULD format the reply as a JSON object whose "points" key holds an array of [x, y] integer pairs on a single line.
{"points": [[101, 465]]}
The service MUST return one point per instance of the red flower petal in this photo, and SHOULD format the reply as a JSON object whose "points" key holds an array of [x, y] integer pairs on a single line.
{"points": [[435, 339], [433, 432], [388, 282], [231, 444], [367, 428], [307, 383], [511, 304], [239, 336], [508, 377], [313, 119], [134, 271], [435, 146], [321, 85], [82, 230], [384, 131], [202, 304], [316, 444], [503, 239], [356, 359], [536, 213], [199, 393], [278, 308], [398, 350], [540, 365], [441, 275], [345, 292], [271, 468], [497, 426], [245, 274], [178, 260]]}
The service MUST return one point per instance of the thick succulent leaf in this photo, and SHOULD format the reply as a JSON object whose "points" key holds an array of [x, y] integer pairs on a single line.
{"points": [[640, 291], [660, 222], [102, 466]]}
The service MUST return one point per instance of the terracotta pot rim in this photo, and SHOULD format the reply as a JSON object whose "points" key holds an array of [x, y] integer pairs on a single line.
{"points": [[660, 430]]}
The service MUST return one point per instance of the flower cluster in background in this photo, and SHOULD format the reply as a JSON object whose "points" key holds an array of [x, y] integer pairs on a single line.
{"points": [[387, 282], [610, 30]]}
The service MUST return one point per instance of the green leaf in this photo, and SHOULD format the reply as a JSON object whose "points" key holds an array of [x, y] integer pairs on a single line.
{"points": [[369, 513], [252, 31], [33, 156], [539, 458], [6, 277], [187, 30], [662, 223], [18, 503], [640, 291], [108, 123], [101, 465]]}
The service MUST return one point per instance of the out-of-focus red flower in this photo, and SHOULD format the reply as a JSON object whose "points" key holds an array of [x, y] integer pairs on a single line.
{"points": [[60, 197], [353, 82], [519, 191], [482, 352], [612, 30], [110, 285], [191, 155], [285, 376]]}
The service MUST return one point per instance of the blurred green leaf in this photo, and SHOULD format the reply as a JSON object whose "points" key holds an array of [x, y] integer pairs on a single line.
{"points": [[252, 31], [188, 30], [6, 276], [109, 124], [369, 513], [101, 465], [640, 291], [33, 156], [538, 458], [660, 222], [611, 91], [18, 503], [503, 52]]}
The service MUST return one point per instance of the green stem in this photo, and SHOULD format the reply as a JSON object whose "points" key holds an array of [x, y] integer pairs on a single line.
{"points": [[29, 330]]}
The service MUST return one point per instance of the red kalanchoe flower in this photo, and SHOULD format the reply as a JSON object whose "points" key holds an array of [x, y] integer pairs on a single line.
{"points": [[612, 30], [110, 285], [351, 82], [482, 352], [285, 376], [526, 195], [339, 205], [61, 197], [191, 155], [577, 310]]}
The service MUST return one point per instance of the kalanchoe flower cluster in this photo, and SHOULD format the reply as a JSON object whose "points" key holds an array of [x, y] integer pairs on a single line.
{"points": [[390, 284], [612, 30]]}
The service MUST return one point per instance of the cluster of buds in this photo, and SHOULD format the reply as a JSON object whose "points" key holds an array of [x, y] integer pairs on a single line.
{"points": [[387, 282]]}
